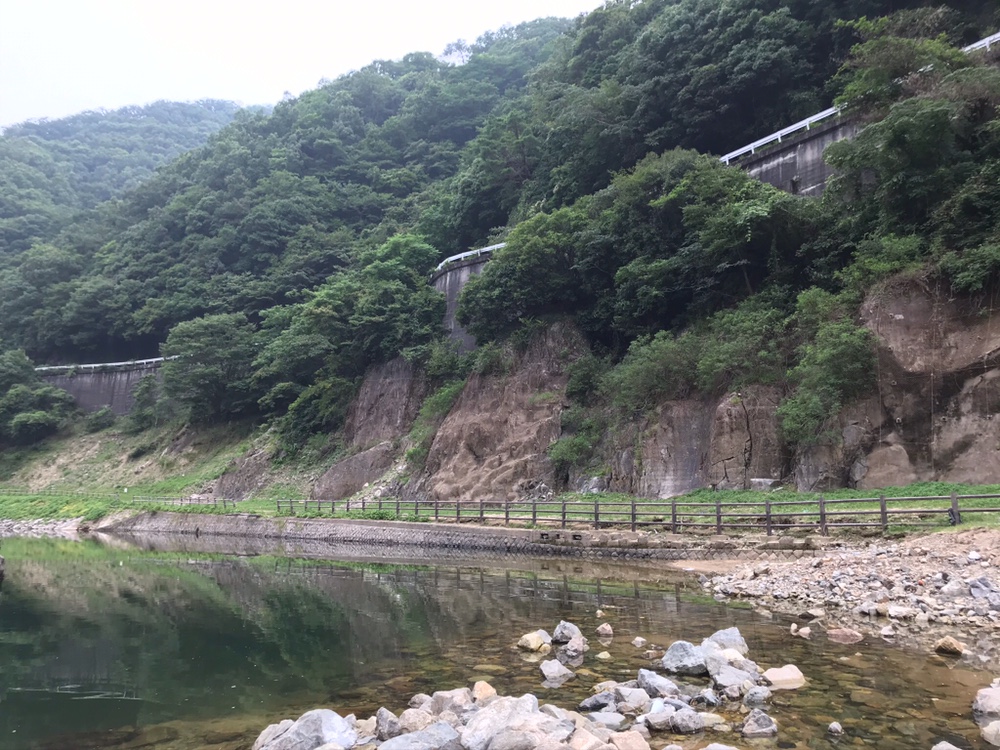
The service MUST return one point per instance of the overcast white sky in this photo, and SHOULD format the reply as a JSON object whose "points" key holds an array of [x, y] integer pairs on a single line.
{"points": [[58, 57]]}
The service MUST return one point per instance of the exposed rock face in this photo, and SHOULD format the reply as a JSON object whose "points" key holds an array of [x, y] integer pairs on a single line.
{"points": [[381, 413], [386, 405], [939, 384], [346, 477], [493, 444]]}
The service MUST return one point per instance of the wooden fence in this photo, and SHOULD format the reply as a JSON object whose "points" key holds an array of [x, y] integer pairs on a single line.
{"points": [[819, 515], [218, 502]]}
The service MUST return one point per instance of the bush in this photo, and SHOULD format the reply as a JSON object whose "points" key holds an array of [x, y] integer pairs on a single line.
{"points": [[99, 420], [31, 426], [654, 369], [434, 409]]}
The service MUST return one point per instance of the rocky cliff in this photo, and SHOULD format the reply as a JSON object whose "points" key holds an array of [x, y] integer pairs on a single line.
{"points": [[931, 419]]}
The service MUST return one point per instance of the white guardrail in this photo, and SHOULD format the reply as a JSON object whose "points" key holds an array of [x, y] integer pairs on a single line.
{"points": [[102, 365], [826, 114], [470, 254]]}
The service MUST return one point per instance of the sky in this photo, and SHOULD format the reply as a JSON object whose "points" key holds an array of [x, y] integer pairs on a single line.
{"points": [[59, 57]]}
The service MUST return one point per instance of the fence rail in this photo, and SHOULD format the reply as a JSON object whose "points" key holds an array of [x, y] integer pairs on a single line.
{"points": [[677, 516], [768, 515]]}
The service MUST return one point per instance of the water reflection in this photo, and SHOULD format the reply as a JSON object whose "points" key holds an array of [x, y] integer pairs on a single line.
{"points": [[117, 648]]}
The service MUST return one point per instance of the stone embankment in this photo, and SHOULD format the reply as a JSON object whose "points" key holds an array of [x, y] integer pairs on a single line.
{"points": [[37, 528], [617, 716], [940, 592]]}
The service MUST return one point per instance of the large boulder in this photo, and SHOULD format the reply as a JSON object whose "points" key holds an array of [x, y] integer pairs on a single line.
{"points": [[314, 728], [517, 714], [730, 638], [565, 632], [656, 685], [759, 724], [687, 721], [684, 658], [438, 736]]}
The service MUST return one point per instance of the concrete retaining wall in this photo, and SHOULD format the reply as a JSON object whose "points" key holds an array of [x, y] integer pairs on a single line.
{"points": [[796, 166], [451, 282], [95, 389]]}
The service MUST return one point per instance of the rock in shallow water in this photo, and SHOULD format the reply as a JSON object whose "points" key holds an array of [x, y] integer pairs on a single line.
{"points": [[565, 632], [788, 677], [685, 658], [759, 724], [554, 671], [312, 729]]}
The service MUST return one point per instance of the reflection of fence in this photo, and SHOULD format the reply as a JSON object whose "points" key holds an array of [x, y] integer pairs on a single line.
{"points": [[677, 516]]}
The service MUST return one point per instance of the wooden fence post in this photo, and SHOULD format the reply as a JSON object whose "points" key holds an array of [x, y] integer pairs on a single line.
{"points": [[458, 512], [597, 513], [884, 513], [822, 516], [397, 505], [506, 511], [416, 507], [633, 512], [718, 516], [767, 517], [673, 515], [482, 513], [380, 503], [953, 515], [362, 503], [348, 504], [564, 513], [437, 509]]}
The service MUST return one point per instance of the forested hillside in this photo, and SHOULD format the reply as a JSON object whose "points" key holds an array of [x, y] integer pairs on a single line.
{"points": [[290, 253], [50, 170]]}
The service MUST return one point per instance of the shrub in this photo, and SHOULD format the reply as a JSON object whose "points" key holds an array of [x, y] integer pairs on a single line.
{"points": [[31, 426], [99, 420], [654, 369]]}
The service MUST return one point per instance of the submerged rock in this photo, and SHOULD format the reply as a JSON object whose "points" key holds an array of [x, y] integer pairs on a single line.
{"points": [[788, 677], [565, 632], [759, 724]]}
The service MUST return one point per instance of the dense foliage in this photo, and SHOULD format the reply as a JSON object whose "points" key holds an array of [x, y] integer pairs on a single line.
{"points": [[290, 253]]}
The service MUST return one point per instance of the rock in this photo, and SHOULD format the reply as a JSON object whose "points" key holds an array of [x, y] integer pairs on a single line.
{"points": [[660, 721], [887, 632], [565, 632], [598, 702], [686, 721], [584, 740], [458, 701], [415, 719], [804, 632], [974, 556], [386, 725], [517, 714], [953, 589], [574, 648], [944, 746], [950, 646], [835, 728], [312, 729], [844, 635], [603, 656], [656, 685], [639, 642], [604, 630], [420, 700], [628, 741], [636, 697], [554, 671], [759, 724], [991, 733], [788, 677], [987, 702], [482, 691], [271, 733], [730, 638], [757, 696], [534, 641], [729, 676], [512, 739], [685, 658], [609, 719], [715, 746], [438, 736]]}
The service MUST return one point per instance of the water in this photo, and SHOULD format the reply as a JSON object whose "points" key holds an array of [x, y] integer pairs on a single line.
{"points": [[115, 648]]}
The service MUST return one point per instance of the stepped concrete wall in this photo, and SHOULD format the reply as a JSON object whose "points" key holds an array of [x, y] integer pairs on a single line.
{"points": [[95, 387]]}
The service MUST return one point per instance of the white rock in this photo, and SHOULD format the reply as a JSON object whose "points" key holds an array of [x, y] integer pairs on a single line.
{"points": [[788, 677]]}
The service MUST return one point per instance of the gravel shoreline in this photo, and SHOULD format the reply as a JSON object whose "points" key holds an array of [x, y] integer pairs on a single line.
{"points": [[913, 592]]}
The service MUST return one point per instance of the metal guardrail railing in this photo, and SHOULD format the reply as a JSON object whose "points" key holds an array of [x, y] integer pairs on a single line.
{"points": [[470, 254], [102, 365], [805, 124], [826, 114]]}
